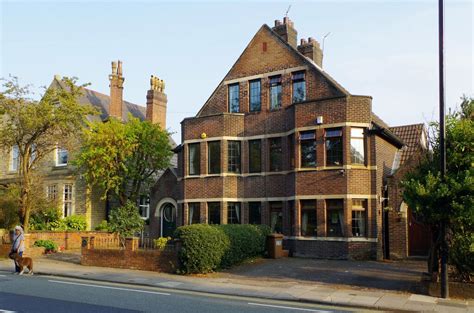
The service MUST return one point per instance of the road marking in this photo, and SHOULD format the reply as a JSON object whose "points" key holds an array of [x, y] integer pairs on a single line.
{"points": [[108, 287], [287, 307], [6, 311], [3, 276]]}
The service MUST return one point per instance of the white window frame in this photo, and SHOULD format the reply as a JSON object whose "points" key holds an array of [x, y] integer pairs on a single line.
{"points": [[59, 150], [144, 206], [68, 200], [14, 162], [52, 190]]}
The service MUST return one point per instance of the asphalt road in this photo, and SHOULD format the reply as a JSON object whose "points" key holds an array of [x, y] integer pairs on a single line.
{"points": [[53, 294]]}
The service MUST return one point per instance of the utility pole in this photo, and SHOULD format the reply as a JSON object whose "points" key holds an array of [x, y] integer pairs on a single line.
{"points": [[442, 148]]}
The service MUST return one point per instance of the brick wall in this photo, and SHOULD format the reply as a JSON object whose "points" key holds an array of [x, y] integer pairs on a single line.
{"points": [[68, 240], [132, 258], [341, 250]]}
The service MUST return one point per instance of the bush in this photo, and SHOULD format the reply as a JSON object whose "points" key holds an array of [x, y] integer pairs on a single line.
{"points": [[103, 226], [461, 254], [49, 219], [206, 248], [161, 242], [75, 222], [49, 245], [125, 220], [202, 249], [246, 241]]}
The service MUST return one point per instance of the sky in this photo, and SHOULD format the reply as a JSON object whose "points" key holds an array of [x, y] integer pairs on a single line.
{"points": [[385, 49]]}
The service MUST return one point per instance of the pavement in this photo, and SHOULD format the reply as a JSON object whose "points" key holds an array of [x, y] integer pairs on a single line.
{"points": [[371, 285]]}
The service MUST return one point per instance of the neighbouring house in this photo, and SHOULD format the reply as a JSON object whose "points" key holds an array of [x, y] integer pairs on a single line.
{"points": [[60, 180], [280, 142], [406, 235]]}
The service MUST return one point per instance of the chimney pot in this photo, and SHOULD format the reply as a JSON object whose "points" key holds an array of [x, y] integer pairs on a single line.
{"points": [[303, 41], [286, 20], [119, 68], [311, 39], [277, 22], [114, 68]]}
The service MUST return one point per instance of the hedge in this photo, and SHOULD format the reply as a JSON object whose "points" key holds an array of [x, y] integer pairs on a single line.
{"points": [[206, 248]]}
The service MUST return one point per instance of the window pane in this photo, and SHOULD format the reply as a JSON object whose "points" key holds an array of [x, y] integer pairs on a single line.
{"points": [[214, 157], [275, 92], [255, 156], [276, 217], [214, 213], [67, 200], [233, 213], [308, 149], [194, 159], [334, 147], [359, 217], [255, 213], [62, 156], [275, 154], [233, 165], [335, 218], [234, 98], [194, 213], [144, 206], [255, 96], [357, 146], [15, 158], [299, 87], [309, 225]]}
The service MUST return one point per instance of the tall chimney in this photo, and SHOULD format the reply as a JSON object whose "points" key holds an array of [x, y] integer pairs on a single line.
{"points": [[311, 49], [156, 102], [286, 31], [116, 90]]}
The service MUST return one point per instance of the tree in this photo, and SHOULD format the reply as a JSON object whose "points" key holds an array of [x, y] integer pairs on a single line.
{"points": [[123, 159], [36, 128], [125, 221], [450, 200]]}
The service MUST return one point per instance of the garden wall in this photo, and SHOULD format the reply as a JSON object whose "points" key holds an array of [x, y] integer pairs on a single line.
{"points": [[130, 256]]}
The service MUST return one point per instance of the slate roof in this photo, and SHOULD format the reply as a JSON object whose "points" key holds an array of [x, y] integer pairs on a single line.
{"points": [[413, 136]]}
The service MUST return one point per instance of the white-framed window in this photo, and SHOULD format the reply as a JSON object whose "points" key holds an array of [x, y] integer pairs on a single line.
{"points": [[68, 200], [14, 159], [62, 156], [52, 192], [144, 206]]}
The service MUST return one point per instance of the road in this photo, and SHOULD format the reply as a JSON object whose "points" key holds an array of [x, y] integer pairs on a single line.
{"points": [[54, 294]]}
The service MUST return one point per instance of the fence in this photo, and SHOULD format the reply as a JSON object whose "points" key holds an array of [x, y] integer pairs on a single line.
{"points": [[130, 255]]}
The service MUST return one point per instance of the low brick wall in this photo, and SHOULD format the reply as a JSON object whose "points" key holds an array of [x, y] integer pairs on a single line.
{"points": [[329, 249], [130, 257], [32, 252], [70, 240]]}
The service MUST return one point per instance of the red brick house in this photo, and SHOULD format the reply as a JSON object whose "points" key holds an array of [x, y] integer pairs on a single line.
{"points": [[280, 142]]}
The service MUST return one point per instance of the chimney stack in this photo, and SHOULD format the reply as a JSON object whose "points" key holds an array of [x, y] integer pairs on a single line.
{"points": [[156, 102], [116, 90], [286, 31], [311, 49]]}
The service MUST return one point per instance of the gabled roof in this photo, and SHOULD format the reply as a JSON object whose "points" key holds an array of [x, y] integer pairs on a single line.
{"points": [[292, 50], [414, 137], [101, 102]]}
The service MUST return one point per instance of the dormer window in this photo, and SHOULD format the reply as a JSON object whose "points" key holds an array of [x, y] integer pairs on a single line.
{"points": [[234, 103], [62, 156]]}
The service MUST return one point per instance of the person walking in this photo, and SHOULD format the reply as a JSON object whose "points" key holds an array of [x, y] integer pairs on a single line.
{"points": [[18, 245]]}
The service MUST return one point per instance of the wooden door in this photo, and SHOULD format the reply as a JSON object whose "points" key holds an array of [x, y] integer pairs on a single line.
{"points": [[419, 236]]}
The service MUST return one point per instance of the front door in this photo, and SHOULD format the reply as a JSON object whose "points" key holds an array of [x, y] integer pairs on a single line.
{"points": [[419, 236], [168, 220]]}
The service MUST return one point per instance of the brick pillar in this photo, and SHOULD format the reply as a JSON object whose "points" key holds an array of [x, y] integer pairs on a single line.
{"points": [[348, 217], [86, 242], [185, 213], [203, 212], [321, 217], [297, 217], [131, 244], [223, 212], [27, 240]]}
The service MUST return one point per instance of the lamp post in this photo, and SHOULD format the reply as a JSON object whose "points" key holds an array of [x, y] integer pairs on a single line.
{"points": [[442, 148]]}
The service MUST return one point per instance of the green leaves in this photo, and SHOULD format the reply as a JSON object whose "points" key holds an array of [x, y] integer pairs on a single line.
{"points": [[122, 158], [125, 220]]}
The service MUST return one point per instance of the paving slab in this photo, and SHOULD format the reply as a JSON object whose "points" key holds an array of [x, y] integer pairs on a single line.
{"points": [[391, 301]]}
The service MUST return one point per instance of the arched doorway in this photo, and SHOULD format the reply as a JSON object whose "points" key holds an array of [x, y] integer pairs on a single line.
{"points": [[167, 216]]}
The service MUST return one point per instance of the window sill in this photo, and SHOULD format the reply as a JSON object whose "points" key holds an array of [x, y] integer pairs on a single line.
{"points": [[343, 239]]}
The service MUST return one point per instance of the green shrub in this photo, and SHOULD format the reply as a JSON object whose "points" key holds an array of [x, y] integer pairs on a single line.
{"points": [[206, 248], [125, 221], [202, 248], [246, 241], [161, 242], [48, 245], [103, 226], [461, 254], [75, 222], [49, 219]]}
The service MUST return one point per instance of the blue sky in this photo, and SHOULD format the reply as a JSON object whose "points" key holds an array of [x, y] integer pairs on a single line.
{"points": [[386, 49]]}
